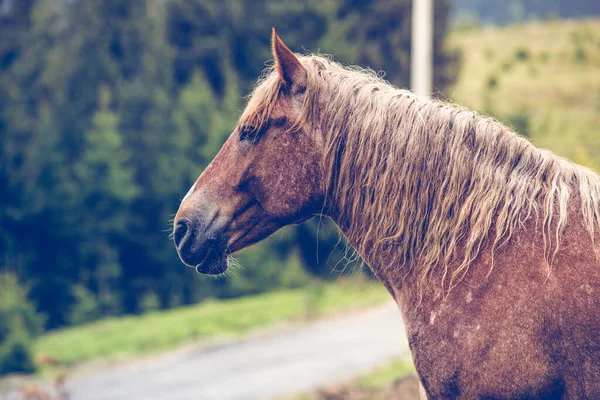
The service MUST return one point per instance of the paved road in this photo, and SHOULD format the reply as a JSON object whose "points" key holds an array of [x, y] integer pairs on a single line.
{"points": [[265, 367]]}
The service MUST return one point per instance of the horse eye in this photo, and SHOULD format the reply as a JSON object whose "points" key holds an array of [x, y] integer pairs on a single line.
{"points": [[248, 134]]}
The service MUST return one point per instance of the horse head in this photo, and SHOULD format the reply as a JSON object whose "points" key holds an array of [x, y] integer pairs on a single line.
{"points": [[268, 174]]}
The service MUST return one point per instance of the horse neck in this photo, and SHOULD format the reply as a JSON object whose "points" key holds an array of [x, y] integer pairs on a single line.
{"points": [[382, 264], [428, 211], [387, 163], [351, 144]]}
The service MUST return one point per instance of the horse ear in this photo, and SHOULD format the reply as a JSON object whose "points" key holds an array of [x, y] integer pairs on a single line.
{"points": [[290, 70]]}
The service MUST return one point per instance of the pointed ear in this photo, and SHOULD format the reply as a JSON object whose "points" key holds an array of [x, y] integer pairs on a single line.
{"points": [[290, 70]]}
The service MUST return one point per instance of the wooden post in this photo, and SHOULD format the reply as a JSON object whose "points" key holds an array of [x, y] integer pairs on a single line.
{"points": [[421, 70]]}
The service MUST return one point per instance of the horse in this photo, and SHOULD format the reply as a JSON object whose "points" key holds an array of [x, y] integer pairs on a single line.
{"points": [[489, 245]]}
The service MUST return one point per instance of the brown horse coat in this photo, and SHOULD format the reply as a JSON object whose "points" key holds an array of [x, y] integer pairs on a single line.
{"points": [[520, 332], [489, 245]]}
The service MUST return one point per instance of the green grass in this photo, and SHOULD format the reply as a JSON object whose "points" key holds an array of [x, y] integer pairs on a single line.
{"points": [[387, 375], [128, 337], [373, 384], [549, 72]]}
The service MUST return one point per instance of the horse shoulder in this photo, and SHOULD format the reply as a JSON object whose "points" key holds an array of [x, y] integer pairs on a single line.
{"points": [[516, 325]]}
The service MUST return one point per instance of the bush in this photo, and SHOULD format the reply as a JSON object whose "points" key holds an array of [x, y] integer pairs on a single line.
{"points": [[85, 307], [519, 122], [522, 54], [580, 54], [19, 324], [150, 302], [506, 66], [492, 82]]}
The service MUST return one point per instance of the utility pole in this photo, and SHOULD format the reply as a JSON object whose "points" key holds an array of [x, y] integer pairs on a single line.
{"points": [[421, 69]]}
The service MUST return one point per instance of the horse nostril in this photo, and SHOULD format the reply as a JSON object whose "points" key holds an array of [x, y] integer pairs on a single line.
{"points": [[181, 230]]}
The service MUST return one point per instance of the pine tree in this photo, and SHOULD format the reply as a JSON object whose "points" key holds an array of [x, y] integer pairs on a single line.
{"points": [[19, 324], [107, 187]]}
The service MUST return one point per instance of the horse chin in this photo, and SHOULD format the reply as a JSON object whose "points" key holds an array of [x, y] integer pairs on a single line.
{"points": [[214, 264]]}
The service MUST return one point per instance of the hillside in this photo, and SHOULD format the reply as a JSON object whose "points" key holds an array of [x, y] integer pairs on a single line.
{"points": [[502, 12], [543, 79]]}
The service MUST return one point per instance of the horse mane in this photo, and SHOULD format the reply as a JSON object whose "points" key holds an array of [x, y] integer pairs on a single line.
{"points": [[430, 180]]}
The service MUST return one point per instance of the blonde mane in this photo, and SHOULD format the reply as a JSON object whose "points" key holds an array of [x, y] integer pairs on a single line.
{"points": [[418, 181]]}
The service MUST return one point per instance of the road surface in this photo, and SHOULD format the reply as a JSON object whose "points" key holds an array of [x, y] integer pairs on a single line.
{"points": [[273, 365]]}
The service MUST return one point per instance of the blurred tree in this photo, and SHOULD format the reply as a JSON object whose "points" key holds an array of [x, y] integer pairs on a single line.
{"points": [[34, 239], [19, 323], [106, 188], [85, 307]]}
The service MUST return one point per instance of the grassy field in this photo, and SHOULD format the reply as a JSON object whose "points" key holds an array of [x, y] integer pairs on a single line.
{"points": [[386, 375], [541, 78], [128, 337], [396, 380]]}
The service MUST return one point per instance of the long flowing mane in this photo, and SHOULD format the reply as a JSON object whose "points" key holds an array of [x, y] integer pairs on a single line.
{"points": [[429, 179]]}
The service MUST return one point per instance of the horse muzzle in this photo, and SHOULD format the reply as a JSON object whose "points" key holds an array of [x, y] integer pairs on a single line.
{"points": [[198, 247]]}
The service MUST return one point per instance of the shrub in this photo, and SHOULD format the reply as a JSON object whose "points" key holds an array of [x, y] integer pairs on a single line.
{"points": [[580, 54], [520, 122], [19, 324], [492, 82], [85, 307], [522, 54], [506, 66], [150, 302]]}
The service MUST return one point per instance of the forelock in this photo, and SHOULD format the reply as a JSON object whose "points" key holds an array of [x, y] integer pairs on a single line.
{"points": [[263, 98]]}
